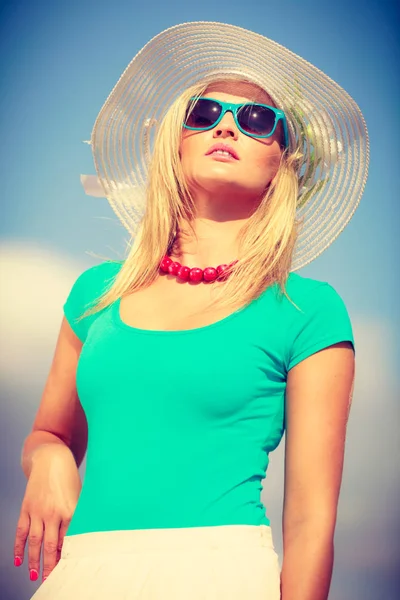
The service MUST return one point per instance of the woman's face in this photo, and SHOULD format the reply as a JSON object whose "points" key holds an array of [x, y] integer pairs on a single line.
{"points": [[256, 160]]}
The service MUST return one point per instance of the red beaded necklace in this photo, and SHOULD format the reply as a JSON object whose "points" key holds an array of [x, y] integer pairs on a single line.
{"points": [[195, 275]]}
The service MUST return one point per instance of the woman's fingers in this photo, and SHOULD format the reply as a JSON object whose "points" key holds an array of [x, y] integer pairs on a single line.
{"points": [[50, 546], [63, 530], [35, 539], [51, 534], [20, 538]]}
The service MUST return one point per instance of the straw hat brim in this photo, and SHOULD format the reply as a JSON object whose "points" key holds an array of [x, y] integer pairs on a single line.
{"points": [[322, 118]]}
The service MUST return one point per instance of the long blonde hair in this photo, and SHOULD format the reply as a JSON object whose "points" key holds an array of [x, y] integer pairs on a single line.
{"points": [[266, 241]]}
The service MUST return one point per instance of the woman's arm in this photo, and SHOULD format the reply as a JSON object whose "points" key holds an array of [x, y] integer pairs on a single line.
{"points": [[318, 398], [60, 419], [50, 458]]}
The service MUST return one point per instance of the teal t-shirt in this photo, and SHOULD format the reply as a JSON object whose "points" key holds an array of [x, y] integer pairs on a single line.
{"points": [[181, 423]]}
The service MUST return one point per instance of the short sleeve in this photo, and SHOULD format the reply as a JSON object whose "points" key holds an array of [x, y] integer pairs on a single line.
{"points": [[85, 292], [323, 320]]}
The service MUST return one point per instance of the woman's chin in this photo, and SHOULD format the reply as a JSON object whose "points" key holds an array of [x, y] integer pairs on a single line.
{"points": [[231, 188], [219, 181]]}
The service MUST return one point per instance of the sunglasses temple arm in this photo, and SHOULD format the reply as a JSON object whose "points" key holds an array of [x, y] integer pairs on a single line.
{"points": [[285, 131]]}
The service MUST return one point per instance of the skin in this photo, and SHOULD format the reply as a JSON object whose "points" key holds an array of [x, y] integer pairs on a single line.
{"points": [[318, 388], [51, 456], [318, 396], [224, 191]]}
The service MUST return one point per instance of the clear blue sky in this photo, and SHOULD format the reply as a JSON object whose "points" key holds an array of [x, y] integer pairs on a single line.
{"points": [[59, 61]]}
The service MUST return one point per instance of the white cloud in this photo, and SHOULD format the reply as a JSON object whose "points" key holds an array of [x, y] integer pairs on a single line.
{"points": [[34, 284]]}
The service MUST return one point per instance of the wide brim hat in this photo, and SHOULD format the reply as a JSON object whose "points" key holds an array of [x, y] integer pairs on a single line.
{"points": [[323, 120]]}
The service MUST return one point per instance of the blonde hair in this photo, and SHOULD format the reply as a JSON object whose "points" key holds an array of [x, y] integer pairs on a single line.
{"points": [[266, 241]]}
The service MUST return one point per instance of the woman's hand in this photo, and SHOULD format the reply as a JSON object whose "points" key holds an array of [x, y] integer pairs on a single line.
{"points": [[51, 495]]}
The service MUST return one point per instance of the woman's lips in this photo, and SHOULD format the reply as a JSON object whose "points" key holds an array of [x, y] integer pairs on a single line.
{"points": [[223, 151], [222, 157]]}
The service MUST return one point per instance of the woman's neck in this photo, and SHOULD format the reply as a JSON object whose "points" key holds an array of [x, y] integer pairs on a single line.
{"points": [[212, 236], [207, 243]]}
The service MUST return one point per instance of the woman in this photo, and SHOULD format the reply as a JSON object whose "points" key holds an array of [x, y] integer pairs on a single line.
{"points": [[192, 356]]}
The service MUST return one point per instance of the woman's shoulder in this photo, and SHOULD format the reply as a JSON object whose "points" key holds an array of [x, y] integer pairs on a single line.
{"points": [[312, 301], [319, 319], [96, 279], [86, 291], [306, 291]]}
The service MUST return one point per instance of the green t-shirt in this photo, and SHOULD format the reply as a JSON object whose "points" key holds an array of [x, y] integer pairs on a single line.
{"points": [[181, 423]]}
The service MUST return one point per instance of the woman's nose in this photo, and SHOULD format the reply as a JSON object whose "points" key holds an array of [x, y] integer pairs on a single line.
{"points": [[226, 128]]}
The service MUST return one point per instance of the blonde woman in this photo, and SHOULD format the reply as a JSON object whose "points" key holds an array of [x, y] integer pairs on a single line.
{"points": [[232, 164]]}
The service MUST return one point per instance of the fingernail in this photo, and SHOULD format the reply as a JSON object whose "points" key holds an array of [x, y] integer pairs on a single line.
{"points": [[33, 575], [17, 561], [44, 579]]}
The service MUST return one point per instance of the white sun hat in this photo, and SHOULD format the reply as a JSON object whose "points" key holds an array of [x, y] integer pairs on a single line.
{"points": [[322, 119]]}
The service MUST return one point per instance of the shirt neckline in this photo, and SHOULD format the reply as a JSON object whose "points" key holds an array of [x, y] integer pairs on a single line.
{"points": [[116, 316]]}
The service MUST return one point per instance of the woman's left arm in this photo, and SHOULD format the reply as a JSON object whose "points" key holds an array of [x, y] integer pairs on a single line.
{"points": [[318, 398]]}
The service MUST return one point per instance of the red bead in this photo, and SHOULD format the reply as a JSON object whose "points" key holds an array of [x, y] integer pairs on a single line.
{"points": [[210, 274], [196, 274], [221, 271], [174, 268], [183, 273], [166, 261]]}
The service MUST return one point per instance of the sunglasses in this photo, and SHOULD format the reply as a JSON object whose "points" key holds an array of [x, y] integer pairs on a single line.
{"points": [[253, 119]]}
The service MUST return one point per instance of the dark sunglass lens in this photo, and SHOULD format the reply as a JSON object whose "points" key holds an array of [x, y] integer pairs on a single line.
{"points": [[203, 114], [255, 119]]}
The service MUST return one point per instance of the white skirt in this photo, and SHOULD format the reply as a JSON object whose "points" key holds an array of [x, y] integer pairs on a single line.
{"points": [[228, 562]]}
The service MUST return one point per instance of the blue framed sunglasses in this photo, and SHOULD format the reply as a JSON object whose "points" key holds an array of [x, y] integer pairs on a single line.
{"points": [[253, 119]]}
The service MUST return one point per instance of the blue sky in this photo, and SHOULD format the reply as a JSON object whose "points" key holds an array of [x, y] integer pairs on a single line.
{"points": [[59, 60]]}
